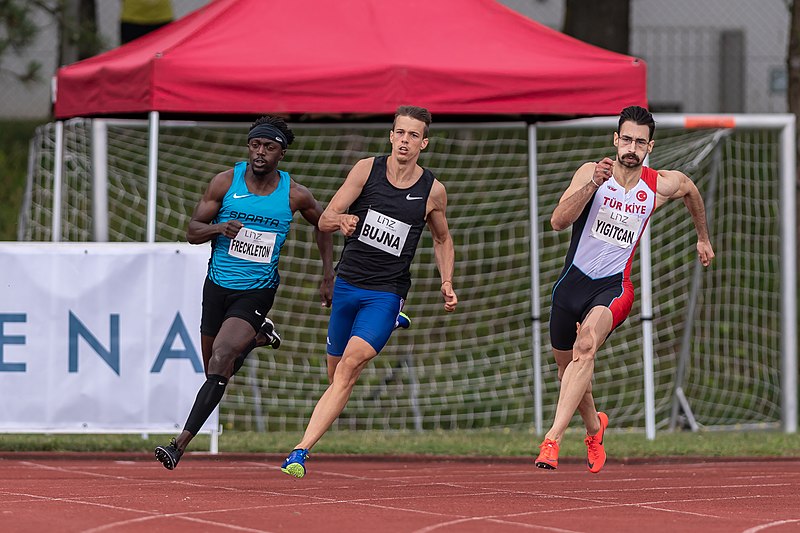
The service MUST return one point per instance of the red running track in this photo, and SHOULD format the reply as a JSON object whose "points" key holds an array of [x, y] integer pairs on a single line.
{"points": [[248, 493]]}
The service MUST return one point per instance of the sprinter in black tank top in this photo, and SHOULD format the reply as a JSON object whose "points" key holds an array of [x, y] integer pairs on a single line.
{"points": [[381, 209], [378, 254]]}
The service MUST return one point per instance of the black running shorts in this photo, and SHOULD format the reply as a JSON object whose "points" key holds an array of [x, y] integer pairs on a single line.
{"points": [[575, 294], [220, 303]]}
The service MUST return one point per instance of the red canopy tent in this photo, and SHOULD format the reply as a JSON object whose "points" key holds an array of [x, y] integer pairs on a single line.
{"points": [[352, 57], [344, 57]]}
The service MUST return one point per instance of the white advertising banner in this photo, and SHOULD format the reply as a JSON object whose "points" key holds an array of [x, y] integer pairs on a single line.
{"points": [[100, 337]]}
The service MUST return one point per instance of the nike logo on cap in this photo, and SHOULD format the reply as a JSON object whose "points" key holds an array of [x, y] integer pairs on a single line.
{"points": [[241, 195], [409, 197]]}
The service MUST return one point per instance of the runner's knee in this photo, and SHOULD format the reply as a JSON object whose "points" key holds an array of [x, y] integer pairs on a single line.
{"points": [[584, 344], [563, 359], [222, 357], [333, 362], [349, 369]]}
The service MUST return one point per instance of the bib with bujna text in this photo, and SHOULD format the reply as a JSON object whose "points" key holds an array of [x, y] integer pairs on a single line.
{"points": [[384, 232]]}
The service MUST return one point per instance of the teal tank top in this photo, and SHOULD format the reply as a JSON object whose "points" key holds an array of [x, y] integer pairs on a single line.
{"points": [[250, 261]]}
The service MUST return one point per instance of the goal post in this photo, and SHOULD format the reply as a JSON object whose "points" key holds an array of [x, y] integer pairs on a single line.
{"points": [[781, 171], [488, 365]]}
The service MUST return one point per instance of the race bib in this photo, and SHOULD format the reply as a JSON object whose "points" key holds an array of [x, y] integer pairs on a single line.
{"points": [[616, 227], [252, 245], [384, 233]]}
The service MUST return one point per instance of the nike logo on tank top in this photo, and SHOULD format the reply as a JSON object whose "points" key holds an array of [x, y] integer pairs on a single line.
{"points": [[250, 260], [378, 254], [605, 236]]}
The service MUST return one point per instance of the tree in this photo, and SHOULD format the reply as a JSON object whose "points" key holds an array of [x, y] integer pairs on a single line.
{"points": [[603, 23], [79, 37], [793, 92], [76, 21], [17, 33]]}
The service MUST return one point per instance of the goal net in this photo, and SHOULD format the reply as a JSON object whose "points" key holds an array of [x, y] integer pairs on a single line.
{"points": [[473, 368], [717, 332]]}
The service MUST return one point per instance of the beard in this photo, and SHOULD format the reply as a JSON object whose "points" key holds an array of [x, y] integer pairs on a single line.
{"points": [[630, 161]]}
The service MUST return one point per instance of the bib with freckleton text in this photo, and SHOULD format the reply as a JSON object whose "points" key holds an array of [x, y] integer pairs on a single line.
{"points": [[384, 232], [615, 227], [252, 245]]}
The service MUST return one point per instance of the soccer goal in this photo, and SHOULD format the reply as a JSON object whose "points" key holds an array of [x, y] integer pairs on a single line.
{"points": [[707, 348], [717, 347]]}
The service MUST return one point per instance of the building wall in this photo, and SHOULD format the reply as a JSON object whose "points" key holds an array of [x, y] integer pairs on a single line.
{"points": [[679, 39]]}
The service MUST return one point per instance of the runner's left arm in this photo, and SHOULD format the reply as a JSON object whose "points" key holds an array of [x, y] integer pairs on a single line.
{"points": [[302, 200], [443, 249], [673, 184]]}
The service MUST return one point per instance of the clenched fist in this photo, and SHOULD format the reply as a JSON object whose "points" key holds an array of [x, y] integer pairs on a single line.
{"points": [[347, 224], [603, 171]]}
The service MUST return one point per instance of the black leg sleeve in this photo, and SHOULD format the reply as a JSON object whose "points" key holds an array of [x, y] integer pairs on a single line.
{"points": [[208, 398]]}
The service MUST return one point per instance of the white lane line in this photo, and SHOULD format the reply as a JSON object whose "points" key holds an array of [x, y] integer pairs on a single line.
{"points": [[771, 524]]}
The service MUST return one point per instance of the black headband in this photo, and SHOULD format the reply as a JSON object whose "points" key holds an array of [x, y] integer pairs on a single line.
{"points": [[268, 131]]}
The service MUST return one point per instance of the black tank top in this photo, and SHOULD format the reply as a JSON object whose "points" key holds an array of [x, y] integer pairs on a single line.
{"points": [[378, 254]]}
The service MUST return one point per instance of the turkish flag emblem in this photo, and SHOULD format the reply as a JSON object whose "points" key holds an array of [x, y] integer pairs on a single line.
{"points": [[641, 196]]}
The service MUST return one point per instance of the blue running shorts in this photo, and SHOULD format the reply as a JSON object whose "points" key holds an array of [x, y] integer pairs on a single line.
{"points": [[363, 313]]}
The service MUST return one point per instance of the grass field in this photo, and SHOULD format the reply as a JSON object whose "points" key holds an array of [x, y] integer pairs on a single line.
{"points": [[14, 139], [497, 443]]}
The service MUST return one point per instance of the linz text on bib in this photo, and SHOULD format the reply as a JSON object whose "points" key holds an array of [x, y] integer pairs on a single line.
{"points": [[616, 227], [384, 232], [252, 245]]}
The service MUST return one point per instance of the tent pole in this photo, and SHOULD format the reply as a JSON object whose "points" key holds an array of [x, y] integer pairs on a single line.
{"points": [[647, 331], [100, 179], [58, 171], [152, 177], [536, 313]]}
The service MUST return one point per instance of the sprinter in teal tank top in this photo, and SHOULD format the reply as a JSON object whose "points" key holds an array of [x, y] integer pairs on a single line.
{"points": [[245, 213], [250, 260]]}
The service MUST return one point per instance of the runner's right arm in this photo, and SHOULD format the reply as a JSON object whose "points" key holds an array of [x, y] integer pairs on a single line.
{"points": [[335, 216], [200, 228], [585, 182]]}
